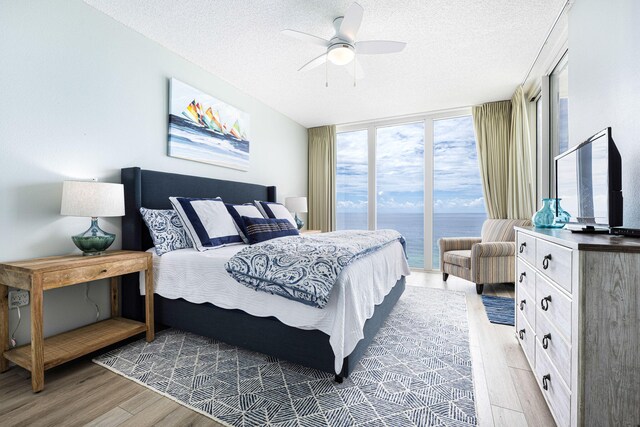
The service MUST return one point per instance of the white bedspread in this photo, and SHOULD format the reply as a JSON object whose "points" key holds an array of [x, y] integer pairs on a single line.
{"points": [[200, 277]]}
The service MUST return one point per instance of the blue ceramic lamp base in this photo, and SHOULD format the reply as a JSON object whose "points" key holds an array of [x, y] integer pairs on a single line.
{"points": [[93, 241], [299, 222]]}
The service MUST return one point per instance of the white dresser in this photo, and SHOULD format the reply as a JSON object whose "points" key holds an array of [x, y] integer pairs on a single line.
{"points": [[578, 322]]}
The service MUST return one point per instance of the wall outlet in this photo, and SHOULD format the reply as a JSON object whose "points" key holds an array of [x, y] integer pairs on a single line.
{"points": [[18, 299]]}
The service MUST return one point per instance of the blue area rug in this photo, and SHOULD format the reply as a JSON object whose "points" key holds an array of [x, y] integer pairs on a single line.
{"points": [[416, 372], [500, 310]]}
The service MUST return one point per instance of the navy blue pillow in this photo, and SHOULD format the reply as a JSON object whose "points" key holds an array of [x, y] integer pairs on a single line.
{"points": [[263, 229], [239, 211]]}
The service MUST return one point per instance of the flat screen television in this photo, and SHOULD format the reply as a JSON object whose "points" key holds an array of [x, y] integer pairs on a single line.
{"points": [[589, 183]]}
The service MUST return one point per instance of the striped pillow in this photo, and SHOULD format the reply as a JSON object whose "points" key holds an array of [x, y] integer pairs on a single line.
{"points": [[263, 229], [207, 221], [238, 211]]}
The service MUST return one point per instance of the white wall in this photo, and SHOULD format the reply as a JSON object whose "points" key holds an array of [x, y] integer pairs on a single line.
{"points": [[604, 84], [82, 96]]}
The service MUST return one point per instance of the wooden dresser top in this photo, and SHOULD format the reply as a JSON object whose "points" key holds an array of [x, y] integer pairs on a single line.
{"points": [[585, 242]]}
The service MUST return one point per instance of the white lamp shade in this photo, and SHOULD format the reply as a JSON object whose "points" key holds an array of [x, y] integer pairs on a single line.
{"points": [[296, 204], [93, 199]]}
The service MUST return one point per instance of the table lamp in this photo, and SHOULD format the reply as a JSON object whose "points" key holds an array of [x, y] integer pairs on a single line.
{"points": [[295, 205], [92, 199]]}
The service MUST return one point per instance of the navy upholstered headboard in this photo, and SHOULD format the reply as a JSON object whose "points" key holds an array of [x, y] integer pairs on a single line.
{"points": [[152, 189]]}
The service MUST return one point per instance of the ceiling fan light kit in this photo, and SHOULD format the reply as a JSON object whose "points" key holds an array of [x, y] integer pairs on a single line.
{"points": [[342, 48], [341, 53]]}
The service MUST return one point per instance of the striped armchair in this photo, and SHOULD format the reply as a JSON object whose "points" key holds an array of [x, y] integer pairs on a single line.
{"points": [[483, 260]]}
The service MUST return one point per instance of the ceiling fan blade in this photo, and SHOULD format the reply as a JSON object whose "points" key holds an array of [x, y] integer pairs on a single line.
{"points": [[309, 38], [375, 47], [351, 23], [359, 73], [314, 62]]}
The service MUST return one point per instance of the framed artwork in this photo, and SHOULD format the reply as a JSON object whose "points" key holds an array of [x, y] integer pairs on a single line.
{"points": [[205, 129]]}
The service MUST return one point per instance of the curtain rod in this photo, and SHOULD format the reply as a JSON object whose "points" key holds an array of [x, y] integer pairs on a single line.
{"points": [[546, 39]]}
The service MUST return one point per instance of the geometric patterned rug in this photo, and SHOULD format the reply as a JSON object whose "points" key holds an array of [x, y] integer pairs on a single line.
{"points": [[417, 372]]}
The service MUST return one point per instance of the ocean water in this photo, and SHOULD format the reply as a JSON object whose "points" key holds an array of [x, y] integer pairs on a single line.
{"points": [[411, 226], [188, 141]]}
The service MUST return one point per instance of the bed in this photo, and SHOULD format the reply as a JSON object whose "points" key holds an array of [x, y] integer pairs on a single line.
{"points": [[268, 335]]}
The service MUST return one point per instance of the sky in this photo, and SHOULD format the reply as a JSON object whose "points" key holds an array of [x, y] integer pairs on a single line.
{"points": [[400, 168], [182, 94]]}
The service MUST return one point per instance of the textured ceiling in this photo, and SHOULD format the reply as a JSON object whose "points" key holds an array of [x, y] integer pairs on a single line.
{"points": [[459, 52]]}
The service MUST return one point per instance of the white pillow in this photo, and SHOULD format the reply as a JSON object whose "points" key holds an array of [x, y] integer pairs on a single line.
{"points": [[275, 210], [207, 221]]}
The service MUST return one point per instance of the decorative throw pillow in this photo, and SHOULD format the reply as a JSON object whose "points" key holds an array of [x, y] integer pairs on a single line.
{"points": [[207, 222], [238, 211], [263, 229], [166, 229], [275, 210]]}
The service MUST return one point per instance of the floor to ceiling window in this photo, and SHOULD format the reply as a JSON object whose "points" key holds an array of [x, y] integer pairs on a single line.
{"points": [[558, 114], [400, 185], [458, 203], [417, 176], [351, 180]]}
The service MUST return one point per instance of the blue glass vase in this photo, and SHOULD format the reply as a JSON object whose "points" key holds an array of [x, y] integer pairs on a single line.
{"points": [[562, 216], [545, 216]]}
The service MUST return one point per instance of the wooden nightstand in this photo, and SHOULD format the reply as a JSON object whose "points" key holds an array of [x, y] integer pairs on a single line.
{"points": [[38, 275], [310, 231]]}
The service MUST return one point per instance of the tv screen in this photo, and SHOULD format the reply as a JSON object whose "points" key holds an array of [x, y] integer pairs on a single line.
{"points": [[588, 182]]}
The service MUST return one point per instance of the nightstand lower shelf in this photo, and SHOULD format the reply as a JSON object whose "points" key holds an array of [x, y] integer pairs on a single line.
{"points": [[67, 346]]}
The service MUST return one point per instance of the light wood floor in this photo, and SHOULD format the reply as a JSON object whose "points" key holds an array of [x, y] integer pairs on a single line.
{"points": [[82, 393]]}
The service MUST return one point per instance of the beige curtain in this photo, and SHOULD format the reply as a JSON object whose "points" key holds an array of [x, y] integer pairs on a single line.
{"points": [[504, 155], [322, 179], [492, 123], [521, 191]]}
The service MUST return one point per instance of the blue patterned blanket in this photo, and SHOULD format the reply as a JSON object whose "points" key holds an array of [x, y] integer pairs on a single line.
{"points": [[305, 269]]}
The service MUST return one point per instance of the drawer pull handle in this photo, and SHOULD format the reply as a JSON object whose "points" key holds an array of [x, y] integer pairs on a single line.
{"points": [[104, 271], [522, 276], [545, 341], [522, 246], [521, 333], [545, 381], [544, 302], [522, 303], [545, 261]]}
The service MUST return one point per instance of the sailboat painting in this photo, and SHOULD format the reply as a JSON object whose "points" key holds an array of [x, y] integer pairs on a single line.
{"points": [[205, 129]]}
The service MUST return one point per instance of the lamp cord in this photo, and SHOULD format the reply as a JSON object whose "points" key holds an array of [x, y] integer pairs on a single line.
{"points": [[13, 334], [86, 295]]}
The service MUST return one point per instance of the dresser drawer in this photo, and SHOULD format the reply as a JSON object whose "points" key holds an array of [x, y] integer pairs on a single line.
{"points": [[554, 261], [553, 304], [526, 304], [526, 247], [526, 335], [553, 389], [558, 350], [526, 277]]}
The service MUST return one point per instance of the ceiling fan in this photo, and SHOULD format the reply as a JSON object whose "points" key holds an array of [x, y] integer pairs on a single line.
{"points": [[342, 48]]}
